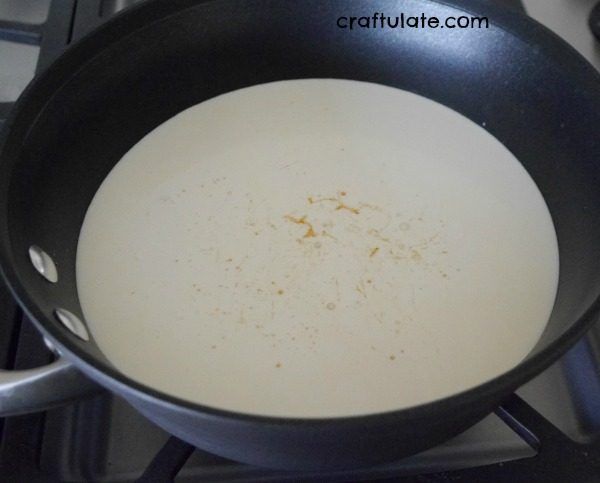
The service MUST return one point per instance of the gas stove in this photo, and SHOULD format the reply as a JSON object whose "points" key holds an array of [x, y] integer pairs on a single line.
{"points": [[548, 431]]}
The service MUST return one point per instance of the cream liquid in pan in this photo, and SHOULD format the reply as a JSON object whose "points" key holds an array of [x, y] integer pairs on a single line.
{"points": [[317, 248]]}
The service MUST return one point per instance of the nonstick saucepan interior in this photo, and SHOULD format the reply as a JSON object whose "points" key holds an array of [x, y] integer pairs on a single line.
{"points": [[528, 88]]}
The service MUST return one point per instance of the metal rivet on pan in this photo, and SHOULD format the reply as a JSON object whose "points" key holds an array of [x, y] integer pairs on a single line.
{"points": [[72, 322], [42, 262], [51, 346]]}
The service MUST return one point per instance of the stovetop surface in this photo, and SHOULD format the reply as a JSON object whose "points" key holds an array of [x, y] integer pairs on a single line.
{"points": [[104, 439]]}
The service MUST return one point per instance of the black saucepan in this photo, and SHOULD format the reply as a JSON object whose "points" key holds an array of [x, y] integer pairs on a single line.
{"points": [[527, 87]]}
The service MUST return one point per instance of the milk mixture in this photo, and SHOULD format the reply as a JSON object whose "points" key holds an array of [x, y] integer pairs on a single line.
{"points": [[317, 248]]}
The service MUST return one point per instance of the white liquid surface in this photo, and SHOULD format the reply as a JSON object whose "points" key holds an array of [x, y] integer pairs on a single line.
{"points": [[317, 248]]}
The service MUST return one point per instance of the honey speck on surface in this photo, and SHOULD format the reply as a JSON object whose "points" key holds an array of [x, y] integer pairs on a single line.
{"points": [[280, 292], [278, 365], [313, 200], [376, 233], [361, 290], [373, 252], [310, 232], [340, 204], [330, 306], [392, 358], [416, 255], [343, 206]]}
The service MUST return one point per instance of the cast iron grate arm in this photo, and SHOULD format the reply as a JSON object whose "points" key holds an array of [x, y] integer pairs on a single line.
{"points": [[559, 459]]}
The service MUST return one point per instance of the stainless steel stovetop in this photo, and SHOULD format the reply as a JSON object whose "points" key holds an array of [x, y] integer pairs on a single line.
{"points": [[103, 439]]}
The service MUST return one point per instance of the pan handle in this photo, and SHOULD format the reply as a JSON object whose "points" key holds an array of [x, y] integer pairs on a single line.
{"points": [[41, 388]]}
